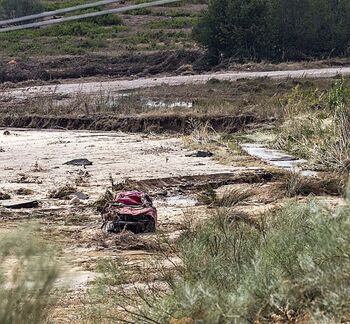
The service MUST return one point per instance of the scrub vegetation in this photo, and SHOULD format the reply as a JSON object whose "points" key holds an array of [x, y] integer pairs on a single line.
{"points": [[316, 125], [291, 264], [28, 271]]}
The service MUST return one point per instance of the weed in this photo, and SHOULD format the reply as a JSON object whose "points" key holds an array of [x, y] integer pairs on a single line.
{"points": [[229, 199]]}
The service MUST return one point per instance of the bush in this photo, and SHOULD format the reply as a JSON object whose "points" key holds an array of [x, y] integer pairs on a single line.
{"points": [[275, 29], [27, 275], [294, 267], [18, 8]]}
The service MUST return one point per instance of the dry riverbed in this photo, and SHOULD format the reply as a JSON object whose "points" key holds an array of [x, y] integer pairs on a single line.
{"points": [[32, 168]]}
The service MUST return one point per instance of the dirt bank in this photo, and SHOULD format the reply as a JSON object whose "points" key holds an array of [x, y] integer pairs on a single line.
{"points": [[74, 67], [157, 124]]}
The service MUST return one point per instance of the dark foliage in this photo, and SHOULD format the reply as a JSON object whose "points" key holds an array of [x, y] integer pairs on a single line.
{"points": [[275, 29]]}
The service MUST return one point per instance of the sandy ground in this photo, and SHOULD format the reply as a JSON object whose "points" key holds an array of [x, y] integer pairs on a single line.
{"points": [[114, 86]]}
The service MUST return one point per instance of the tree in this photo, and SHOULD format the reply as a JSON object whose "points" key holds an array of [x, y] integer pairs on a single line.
{"points": [[275, 29], [18, 8]]}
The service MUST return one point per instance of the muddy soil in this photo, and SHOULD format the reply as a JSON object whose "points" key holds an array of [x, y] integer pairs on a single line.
{"points": [[143, 124], [75, 67], [131, 65]]}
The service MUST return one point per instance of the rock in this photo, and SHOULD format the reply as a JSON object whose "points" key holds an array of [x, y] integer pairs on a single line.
{"points": [[21, 204], [201, 154], [78, 162], [81, 195]]}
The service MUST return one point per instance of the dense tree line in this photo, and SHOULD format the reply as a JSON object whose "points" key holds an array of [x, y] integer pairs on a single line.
{"points": [[275, 29]]}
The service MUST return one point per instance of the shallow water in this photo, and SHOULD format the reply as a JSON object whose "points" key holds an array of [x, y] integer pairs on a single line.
{"points": [[277, 158]]}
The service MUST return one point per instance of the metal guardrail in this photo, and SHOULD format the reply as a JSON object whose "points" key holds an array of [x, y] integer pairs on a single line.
{"points": [[56, 12], [89, 15]]}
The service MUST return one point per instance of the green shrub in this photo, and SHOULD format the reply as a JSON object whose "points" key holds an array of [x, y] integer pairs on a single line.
{"points": [[27, 275], [294, 266]]}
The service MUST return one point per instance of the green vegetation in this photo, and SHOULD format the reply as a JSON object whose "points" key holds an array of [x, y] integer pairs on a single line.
{"points": [[275, 29], [68, 38], [294, 265], [316, 125], [27, 275], [101, 34], [173, 23], [17, 8]]}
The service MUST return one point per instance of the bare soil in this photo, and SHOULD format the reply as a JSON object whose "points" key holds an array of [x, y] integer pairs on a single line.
{"points": [[147, 124], [131, 65]]}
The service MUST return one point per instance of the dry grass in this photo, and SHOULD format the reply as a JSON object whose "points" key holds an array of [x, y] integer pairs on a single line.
{"points": [[316, 126], [63, 192], [229, 199]]}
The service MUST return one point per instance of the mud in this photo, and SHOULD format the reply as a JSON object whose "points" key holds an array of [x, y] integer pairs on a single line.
{"points": [[143, 124], [74, 67], [188, 184]]}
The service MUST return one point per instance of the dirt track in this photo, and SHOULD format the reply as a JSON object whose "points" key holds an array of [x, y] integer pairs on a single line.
{"points": [[119, 85]]}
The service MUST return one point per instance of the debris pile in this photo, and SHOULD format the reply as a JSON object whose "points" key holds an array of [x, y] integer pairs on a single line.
{"points": [[131, 210]]}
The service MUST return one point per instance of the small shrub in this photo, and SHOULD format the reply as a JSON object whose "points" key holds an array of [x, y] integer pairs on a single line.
{"points": [[27, 275], [229, 199]]}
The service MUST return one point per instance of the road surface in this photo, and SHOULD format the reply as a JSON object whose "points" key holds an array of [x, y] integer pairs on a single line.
{"points": [[118, 85]]}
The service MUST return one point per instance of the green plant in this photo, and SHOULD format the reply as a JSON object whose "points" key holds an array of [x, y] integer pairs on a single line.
{"points": [[295, 266], [27, 274], [316, 126]]}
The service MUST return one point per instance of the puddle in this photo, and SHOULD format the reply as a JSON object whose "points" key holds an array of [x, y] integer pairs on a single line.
{"points": [[165, 104], [277, 158], [76, 279], [180, 201]]}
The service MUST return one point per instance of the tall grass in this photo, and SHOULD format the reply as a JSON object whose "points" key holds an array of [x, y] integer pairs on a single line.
{"points": [[27, 275], [317, 126]]}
